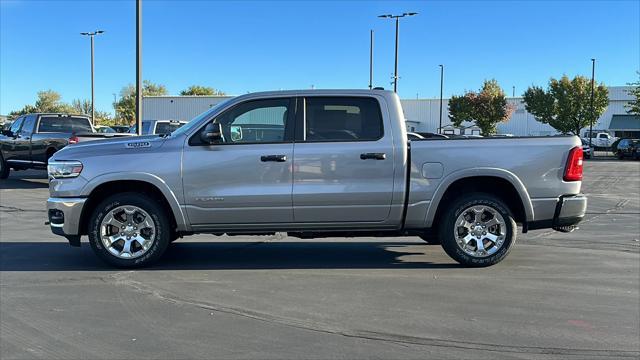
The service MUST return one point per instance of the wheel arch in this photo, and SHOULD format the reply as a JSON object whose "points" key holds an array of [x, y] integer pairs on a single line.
{"points": [[501, 183], [98, 190]]}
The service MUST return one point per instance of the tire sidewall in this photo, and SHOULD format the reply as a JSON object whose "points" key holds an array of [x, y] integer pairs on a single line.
{"points": [[4, 170], [449, 243], [147, 204]]}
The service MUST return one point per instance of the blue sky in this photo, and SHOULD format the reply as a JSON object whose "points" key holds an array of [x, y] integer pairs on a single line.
{"points": [[243, 46]]}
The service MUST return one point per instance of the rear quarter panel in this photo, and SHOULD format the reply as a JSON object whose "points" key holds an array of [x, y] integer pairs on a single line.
{"points": [[535, 166]]}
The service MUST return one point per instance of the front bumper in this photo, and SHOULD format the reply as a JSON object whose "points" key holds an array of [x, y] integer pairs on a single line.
{"points": [[64, 217], [569, 211]]}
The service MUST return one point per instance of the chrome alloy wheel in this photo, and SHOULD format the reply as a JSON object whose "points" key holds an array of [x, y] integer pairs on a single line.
{"points": [[480, 231], [127, 232]]}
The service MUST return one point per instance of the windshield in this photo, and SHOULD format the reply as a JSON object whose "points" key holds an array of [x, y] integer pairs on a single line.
{"points": [[195, 121]]}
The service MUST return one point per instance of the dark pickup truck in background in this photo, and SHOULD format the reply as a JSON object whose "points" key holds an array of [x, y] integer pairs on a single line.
{"points": [[33, 138]]}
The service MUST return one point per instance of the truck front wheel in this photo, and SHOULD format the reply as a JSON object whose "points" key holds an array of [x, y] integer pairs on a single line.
{"points": [[478, 230], [129, 230]]}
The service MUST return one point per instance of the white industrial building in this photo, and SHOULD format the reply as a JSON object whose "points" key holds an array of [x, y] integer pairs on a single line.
{"points": [[422, 115]]}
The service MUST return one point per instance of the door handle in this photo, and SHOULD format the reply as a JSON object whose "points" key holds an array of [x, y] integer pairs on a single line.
{"points": [[375, 156], [276, 158]]}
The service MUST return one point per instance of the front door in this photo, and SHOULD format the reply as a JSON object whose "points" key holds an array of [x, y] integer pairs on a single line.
{"points": [[23, 140], [246, 177], [343, 166], [9, 150]]}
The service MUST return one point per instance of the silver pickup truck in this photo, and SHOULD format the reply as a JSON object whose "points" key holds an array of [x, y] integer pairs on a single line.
{"points": [[312, 163]]}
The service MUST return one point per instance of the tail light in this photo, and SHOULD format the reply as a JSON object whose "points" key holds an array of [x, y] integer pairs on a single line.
{"points": [[73, 139], [573, 170]]}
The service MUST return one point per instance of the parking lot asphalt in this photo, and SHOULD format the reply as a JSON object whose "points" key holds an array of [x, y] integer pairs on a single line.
{"points": [[557, 295]]}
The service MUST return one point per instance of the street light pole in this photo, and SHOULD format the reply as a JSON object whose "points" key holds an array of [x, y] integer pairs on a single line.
{"points": [[139, 67], [371, 61], [397, 18], [395, 67], [593, 73], [93, 109], [441, 86]]}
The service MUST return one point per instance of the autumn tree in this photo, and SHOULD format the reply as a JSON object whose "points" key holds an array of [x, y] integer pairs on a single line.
{"points": [[201, 90], [486, 108], [566, 103]]}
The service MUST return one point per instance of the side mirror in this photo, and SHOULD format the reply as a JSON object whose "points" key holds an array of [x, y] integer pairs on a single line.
{"points": [[212, 133]]}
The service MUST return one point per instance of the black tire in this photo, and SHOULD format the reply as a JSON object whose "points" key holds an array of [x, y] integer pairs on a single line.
{"points": [[620, 155], [448, 228], [4, 168], [153, 208], [431, 238]]}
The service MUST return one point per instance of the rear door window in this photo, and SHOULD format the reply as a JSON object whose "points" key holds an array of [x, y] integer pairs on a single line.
{"points": [[64, 124], [342, 119]]}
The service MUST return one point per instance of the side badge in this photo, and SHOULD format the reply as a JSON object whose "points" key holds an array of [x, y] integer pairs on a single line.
{"points": [[140, 144]]}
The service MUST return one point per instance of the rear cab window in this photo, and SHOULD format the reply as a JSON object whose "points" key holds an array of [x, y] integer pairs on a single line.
{"points": [[145, 128], [166, 127], [64, 124], [340, 119]]}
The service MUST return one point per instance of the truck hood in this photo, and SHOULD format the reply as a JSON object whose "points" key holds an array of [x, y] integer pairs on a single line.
{"points": [[120, 145]]}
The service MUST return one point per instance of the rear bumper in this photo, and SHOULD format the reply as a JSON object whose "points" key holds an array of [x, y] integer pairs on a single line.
{"points": [[569, 211], [64, 217]]}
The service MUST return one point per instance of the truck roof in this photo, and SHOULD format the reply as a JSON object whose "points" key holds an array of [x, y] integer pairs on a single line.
{"points": [[57, 114]]}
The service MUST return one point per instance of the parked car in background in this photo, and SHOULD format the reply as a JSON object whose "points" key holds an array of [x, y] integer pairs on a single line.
{"points": [[120, 128], [586, 149], [600, 140], [6, 125], [312, 163], [628, 148], [33, 138], [104, 129], [157, 127], [428, 135]]}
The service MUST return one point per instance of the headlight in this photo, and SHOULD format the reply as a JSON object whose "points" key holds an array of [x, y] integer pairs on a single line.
{"points": [[64, 169]]}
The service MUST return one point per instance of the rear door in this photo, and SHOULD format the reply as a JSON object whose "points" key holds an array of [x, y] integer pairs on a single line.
{"points": [[343, 165], [246, 178]]}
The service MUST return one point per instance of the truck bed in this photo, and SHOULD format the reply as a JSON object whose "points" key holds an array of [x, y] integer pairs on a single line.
{"points": [[534, 164]]}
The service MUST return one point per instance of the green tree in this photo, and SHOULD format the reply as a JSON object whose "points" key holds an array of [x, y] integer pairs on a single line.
{"points": [[126, 106], [48, 101], [634, 105], [201, 90], [566, 104], [485, 108]]}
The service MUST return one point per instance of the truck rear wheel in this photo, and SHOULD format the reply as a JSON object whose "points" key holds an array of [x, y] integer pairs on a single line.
{"points": [[478, 230], [129, 230], [4, 168]]}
